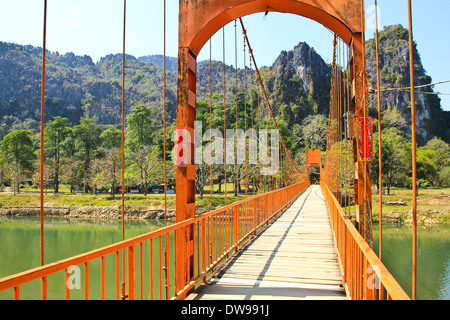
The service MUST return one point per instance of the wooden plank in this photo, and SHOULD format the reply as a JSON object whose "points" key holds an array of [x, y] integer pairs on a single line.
{"points": [[294, 258]]}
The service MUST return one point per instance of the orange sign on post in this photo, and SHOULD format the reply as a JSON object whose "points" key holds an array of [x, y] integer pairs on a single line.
{"points": [[364, 135]]}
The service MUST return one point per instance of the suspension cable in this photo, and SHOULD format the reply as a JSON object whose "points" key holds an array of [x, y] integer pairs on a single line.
{"points": [[414, 156], [346, 146], [165, 120], [380, 147], [350, 145], [44, 280], [366, 221], [123, 142], [224, 118], [166, 254], [251, 112], [210, 126], [416, 87], [236, 89], [245, 116]]}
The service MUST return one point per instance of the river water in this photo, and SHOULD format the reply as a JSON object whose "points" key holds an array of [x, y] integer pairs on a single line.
{"points": [[19, 251], [433, 259]]}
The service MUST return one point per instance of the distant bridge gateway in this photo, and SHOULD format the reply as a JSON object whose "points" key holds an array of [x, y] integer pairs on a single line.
{"points": [[290, 240]]}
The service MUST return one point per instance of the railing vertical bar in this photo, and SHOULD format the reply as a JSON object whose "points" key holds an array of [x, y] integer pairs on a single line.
{"points": [[361, 274], [236, 225], [228, 221], [381, 292], [66, 284], [168, 266], [141, 265], [215, 245], [357, 280], [187, 257], [160, 269], [102, 277], [222, 232], [230, 227], [193, 256], [355, 268], [17, 293], [132, 273], [203, 246], [365, 287], [198, 248], [355, 271], [118, 275], [210, 240], [225, 230], [151, 269], [44, 287], [86, 280]]}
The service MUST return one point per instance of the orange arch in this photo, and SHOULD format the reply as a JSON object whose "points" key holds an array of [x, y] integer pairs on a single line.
{"points": [[200, 20], [313, 158]]}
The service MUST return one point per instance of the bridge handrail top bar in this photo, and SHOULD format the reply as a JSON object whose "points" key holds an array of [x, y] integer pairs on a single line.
{"points": [[243, 201], [386, 278], [21, 278]]}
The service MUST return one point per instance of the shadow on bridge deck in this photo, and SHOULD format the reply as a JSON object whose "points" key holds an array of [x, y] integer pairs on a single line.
{"points": [[294, 258]]}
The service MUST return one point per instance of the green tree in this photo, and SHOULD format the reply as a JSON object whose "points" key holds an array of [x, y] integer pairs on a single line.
{"points": [[444, 177], [314, 132], [427, 172], [4, 169], [17, 148], [111, 137], [158, 140], [396, 159], [440, 157], [146, 160], [108, 168], [87, 142], [140, 127], [140, 143], [56, 132], [71, 167], [389, 163]]}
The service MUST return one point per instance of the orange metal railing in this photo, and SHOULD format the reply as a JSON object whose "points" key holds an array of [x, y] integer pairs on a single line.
{"points": [[365, 276], [217, 234]]}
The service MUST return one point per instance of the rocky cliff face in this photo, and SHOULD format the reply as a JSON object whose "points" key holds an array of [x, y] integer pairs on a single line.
{"points": [[395, 77], [309, 65], [298, 84], [75, 86]]}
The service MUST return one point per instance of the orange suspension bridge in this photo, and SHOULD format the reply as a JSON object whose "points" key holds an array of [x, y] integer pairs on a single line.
{"points": [[293, 240]]}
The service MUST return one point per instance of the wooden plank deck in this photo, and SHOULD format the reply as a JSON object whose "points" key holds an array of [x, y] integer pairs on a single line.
{"points": [[294, 258]]}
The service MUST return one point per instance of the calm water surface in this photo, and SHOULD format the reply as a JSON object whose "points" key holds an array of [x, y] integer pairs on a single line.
{"points": [[19, 251], [433, 259]]}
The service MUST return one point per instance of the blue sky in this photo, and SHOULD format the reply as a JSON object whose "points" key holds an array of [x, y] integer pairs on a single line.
{"points": [[94, 27]]}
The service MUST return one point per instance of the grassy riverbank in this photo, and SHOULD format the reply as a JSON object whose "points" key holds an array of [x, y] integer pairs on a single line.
{"points": [[433, 206], [31, 198]]}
